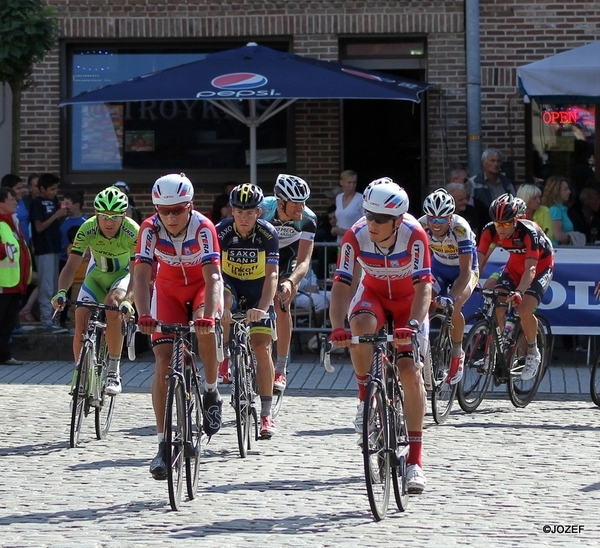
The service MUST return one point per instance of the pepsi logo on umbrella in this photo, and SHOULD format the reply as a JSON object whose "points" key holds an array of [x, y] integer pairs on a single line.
{"points": [[239, 80]]}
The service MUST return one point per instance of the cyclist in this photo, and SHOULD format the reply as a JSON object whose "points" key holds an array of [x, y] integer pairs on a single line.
{"points": [[296, 226], [528, 270], [112, 238], [250, 259], [391, 247], [453, 265], [184, 244]]}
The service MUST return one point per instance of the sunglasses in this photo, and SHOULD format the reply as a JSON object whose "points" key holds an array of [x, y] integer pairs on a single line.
{"points": [[506, 224], [379, 219], [105, 217], [178, 210], [436, 220]]}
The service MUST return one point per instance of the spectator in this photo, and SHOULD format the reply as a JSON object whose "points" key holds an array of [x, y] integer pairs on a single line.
{"points": [[325, 255], [532, 196], [15, 182], [132, 211], [555, 197], [46, 215], [348, 204], [490, 183], [475, 218], [15, 271], [458, 174], [74, 203], [310, 295], [221, 209], [585, 214]]}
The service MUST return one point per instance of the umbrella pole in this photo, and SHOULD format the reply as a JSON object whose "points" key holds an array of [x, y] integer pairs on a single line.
{"points": [[252, 123], [597, 143]]}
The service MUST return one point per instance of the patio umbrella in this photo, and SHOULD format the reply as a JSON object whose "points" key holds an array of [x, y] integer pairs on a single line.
{"points": [[569, 77], [251, 73]]}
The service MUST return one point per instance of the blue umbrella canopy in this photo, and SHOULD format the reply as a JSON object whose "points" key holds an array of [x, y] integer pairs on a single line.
{"points": [[255, 72]]}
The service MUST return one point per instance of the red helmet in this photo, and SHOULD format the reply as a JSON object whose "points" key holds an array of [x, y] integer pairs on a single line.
{"points": [[504, 208]]}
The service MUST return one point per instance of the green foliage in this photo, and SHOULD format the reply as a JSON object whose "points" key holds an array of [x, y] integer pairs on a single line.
{"points": [[29, 29]]}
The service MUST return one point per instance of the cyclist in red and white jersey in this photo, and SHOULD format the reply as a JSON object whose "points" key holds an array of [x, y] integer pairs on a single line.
{"points": [[528, 271], [391, 248], [184, 243]]}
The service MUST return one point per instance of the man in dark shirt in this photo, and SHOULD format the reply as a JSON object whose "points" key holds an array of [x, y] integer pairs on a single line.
{"points": [[490, 183], [585, 214]]}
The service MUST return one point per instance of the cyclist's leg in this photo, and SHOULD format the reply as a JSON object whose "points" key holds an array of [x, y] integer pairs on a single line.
{"points": [[114, 333], [260, 339], [160, 384], [284, 336], [89, 291]]}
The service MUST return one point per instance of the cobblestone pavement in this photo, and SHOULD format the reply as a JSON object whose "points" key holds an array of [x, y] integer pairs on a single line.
{"points": [[496, 478]]}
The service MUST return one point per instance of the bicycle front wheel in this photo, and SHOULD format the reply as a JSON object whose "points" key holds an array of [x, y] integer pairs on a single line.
{"points": [[522, 392], [595, 382], [375, 454], [242, 400], [175, 416], [80, 393], [105, 405], [194, 448], [401, 450], [442, 393], [479, 362]]}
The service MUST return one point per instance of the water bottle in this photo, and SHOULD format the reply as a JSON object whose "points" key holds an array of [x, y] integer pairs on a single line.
{"points": [[509, 325]]}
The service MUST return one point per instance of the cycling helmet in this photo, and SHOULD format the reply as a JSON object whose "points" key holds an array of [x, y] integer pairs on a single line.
{"points": [[246, 196], [111, 199], [504, 208], [291, 188], [439, 203], [172, 189], [522, 208], [385, 197]]}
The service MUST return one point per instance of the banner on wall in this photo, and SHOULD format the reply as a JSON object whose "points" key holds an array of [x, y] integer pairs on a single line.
{"points": [[569, 304]]}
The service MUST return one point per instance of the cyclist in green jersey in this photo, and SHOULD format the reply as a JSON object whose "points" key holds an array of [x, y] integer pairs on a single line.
{"points": [[111, 238]]}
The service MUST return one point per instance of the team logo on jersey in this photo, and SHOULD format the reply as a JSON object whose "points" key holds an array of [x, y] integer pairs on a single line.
{"points": [[460, 231], [239, 80], [285, 232], [243, 256]]}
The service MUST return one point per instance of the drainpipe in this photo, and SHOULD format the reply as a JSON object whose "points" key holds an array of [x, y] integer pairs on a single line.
{"points": [[473, 86]]}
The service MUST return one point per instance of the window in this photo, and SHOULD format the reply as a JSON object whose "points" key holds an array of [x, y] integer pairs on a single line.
{"points": [[157, 135]]}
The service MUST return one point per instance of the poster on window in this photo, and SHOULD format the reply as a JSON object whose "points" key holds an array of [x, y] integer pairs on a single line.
{"points": [[102, 136], [139, 141]]}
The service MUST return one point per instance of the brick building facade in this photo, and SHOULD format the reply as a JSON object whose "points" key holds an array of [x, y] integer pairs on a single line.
{"points": [[512, 33]]}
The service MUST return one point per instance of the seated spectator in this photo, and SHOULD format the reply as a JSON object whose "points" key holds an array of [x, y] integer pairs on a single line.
{"points": [[532, 196], [585, 214], [311, 295], [555, 197]]}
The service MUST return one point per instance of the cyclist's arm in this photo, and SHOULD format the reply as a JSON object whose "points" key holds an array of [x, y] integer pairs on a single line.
{"points": [[269, 286], [213, 295], [129, 292], [341, 294], [67, 274], [142, 276], [465, 263], [305, 249], [420, 305]]}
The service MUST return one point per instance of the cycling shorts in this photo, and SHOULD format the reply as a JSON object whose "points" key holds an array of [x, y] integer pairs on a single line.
{"points": [[252, 296], [538, 286], [445, 275], [97, 284]]}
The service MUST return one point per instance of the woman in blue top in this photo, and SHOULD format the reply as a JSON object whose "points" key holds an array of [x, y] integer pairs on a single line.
{"points": [[555, 196]]}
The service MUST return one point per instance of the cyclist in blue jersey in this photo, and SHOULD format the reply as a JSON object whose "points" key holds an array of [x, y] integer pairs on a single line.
{"points": [[250, 263], [296, 226]]}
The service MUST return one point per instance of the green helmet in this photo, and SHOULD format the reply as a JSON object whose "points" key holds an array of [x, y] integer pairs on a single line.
{"points": [[111, 199]]}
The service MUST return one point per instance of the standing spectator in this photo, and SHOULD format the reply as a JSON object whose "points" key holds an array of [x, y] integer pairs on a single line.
{"points": [[348, 204], [490, 183], [532, 196], [46, 214], [15, 271], [68, 229], [132, 212], [555, 197], [585, 214], [324, 233], [458, 174], [10, 180]]}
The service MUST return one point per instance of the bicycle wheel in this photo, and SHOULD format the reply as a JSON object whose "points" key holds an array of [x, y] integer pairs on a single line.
{"points": [[547, 328], [194, 443], [442, 393], [479, 363], [175, 417], [401, 451], [277, 401], [595, 382], [522, 392], [242, 399], [105, 405], [375, 455], [80, 391]]}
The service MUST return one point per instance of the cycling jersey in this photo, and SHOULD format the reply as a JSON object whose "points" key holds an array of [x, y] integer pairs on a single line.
{"points": [[108, 268], [290, 232], [390, 273], [528, 241], [244, 260], [180, 258]]}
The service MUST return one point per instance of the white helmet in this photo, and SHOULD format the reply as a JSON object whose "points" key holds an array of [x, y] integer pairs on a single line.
{"points": [[439, 203], [172, 189], [291, 188], [385, 197]]}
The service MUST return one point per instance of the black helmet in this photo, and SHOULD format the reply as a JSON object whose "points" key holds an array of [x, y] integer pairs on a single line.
{"points": [[246, 196], [504, 208]]}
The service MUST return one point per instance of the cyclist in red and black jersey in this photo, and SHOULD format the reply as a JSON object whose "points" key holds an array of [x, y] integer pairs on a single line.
{"points": [[529, 268]]}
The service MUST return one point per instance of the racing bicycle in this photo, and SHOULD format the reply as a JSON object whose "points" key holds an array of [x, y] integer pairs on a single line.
{"points": [[492, 352]]}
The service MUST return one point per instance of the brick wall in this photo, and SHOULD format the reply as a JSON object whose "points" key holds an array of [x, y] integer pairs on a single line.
{"points": [[512, 33]]}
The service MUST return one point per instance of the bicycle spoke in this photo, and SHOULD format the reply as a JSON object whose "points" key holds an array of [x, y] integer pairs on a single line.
{"points": [[479, 360]]}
